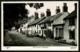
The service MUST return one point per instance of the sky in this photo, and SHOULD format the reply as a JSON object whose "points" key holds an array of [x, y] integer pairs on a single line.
{"points": [[51, 6]]}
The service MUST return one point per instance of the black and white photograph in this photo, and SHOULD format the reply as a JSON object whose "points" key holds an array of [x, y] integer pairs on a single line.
{"points": [[39, 25]]}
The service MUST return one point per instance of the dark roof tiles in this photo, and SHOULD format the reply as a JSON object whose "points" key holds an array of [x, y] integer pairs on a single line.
{"points": [[36, 21], [71, 15], [50, 18], [46, 20]]}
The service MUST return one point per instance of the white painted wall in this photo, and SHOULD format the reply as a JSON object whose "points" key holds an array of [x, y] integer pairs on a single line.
{"points": [[54, 32], [39, 29], [59, 20], [49, 27], [66, 31]]}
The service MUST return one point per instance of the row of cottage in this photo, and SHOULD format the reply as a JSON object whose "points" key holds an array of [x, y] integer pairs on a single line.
{"points": [[63, 24]]}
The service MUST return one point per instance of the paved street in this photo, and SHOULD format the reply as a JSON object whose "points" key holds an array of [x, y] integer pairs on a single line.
{"points": [[14, 38]]}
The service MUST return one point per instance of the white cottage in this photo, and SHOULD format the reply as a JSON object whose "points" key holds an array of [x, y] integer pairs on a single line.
{"points": [[35, 28], [29, 29], [58, 23], [70, 27]]}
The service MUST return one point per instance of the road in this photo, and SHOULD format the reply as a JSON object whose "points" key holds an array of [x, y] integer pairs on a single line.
{"points": [[14, 38]]}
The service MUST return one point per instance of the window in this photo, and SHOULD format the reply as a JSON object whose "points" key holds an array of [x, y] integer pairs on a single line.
{"points": [[35, 31], [56, 31], [35, 25], [49, 24], [61, 32], [71, 21], [44, 26], [72, 34], [39, 31]]}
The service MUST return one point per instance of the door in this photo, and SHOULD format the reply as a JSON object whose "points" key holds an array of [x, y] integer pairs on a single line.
{"points": [[56, 32], [72, 34], [60, 32], [42, 33]]}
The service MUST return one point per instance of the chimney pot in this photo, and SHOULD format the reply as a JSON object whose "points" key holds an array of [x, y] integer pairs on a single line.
{"points": [[57, 9], [48, 12], [75, 6], [42, 14], [36, 15], [65, 8]]}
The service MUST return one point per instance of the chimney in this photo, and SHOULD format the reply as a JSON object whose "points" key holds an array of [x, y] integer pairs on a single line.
{"points": [[48, 12], [75, 6], [42, 14], [57, 9], [65, 8], [36, 15]]}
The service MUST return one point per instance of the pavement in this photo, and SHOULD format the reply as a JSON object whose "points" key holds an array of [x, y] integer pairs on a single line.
{"points": [[14, 38]]}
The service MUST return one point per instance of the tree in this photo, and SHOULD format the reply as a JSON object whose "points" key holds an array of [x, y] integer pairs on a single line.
{"points": [[36, 5], [13, 13]]}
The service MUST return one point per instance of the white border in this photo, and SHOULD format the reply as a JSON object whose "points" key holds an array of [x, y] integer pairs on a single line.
{"points": [[36, 48]]}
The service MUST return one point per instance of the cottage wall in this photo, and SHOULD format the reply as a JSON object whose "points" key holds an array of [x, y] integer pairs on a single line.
{"points": [[76, 32], [66, 31], [29, 30], [58, 21], [49, 27], [39, 30]]}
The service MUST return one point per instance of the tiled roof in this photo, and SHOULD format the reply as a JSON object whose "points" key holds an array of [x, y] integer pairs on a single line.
{"points": [[71, 15], [56, 16], [46, 20], [59, 19], [36, 21], [50, 18]]}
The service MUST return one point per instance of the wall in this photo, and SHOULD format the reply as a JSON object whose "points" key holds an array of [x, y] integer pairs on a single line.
{"points": [[30, 28], [49, 27], [66, 31], [39, 30], [76, 32], [58, 33], [60, 20]]}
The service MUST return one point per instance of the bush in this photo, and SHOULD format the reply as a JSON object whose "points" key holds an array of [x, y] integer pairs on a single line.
{"points": [[56, 38], [60, 37], [72, 43], [48, 33]]}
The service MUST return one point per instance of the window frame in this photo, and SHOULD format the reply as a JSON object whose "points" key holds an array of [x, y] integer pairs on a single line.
{"points": [[72, 34]]}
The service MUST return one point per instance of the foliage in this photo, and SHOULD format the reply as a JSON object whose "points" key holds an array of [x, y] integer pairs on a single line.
{"points": [[13, 13], [36, 5]]}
